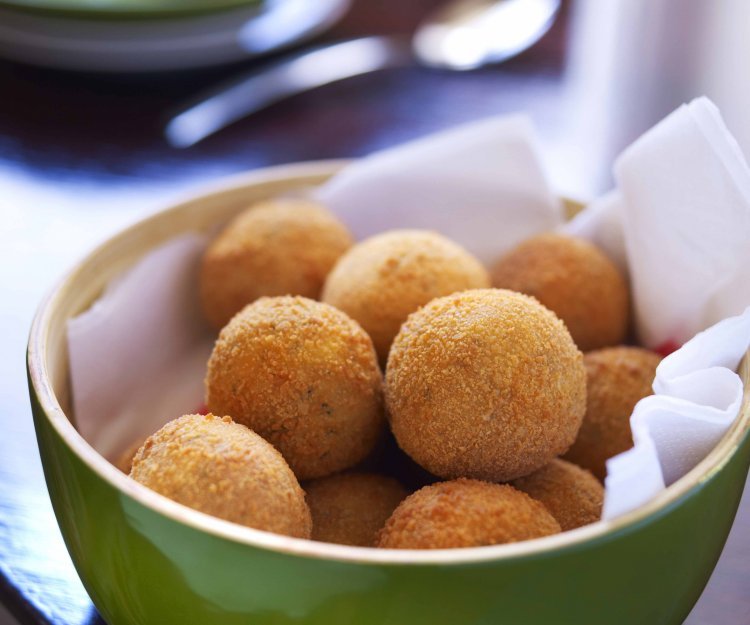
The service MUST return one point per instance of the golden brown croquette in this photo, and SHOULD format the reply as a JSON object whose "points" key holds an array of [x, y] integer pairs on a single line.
{"points": [[617, 379], [485, 384], [383, 279], [305, 377], [277, 247], [226, 470], [571, 494], [350, 508], [576, 281], [465, 513]]}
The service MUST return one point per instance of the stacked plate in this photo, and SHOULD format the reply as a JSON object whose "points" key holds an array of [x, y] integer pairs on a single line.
{"points": [[155, 35]]}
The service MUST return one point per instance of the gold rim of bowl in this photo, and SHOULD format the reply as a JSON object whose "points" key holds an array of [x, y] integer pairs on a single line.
{"points": [[272, 181]]}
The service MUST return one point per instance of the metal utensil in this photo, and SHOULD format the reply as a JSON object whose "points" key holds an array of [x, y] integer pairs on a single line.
{"points": [[466, 34]]}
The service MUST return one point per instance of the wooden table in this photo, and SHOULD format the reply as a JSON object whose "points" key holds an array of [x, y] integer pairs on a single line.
{"points": [[82, 155]]}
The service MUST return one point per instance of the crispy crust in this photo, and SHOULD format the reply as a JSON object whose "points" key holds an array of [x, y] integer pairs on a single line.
{"points": [[226, 470], [383, 279], [277, 247], [305, 377], [350, 508], [571, 494], [617, 379], [576, 281], [485, 384], [465, 513]]}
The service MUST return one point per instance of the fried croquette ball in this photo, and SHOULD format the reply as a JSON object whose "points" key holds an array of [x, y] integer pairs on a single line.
{"points": [[350, 508], [485, 384], [277, 247], [383, 279], [305, 377], [576, 281], [125, 459], [226, 470], [617, 379], [465, 513], [571, 494]]}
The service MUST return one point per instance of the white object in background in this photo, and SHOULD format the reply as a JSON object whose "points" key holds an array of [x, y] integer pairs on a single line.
{"points": [[137, 356], [482, 184], [697, 396], [720, 65], [631, 62]]}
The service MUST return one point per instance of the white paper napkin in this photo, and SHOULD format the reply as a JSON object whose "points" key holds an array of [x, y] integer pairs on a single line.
{"points": [[138, 355], [681, 215], [482, 184], [697, 395]]}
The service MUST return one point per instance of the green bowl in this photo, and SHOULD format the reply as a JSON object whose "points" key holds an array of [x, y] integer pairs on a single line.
{"points": [[145, 559]]}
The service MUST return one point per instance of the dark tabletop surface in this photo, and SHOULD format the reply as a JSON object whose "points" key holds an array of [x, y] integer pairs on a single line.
{"points": [[82, 155]]}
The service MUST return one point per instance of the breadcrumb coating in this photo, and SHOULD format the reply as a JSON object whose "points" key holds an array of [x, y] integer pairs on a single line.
{"points": [[617, 379], [576, 281], [485, 384], [350, 508], [226, 470], [465, 513], [571, 494], [383, 279], [305, 377], [277, 247]]}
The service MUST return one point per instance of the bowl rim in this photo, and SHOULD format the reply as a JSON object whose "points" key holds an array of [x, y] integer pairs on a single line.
{"points": [[44, 394]]}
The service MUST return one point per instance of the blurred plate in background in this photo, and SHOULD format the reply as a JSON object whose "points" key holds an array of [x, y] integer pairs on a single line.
{"points": [[123, 8], [150, 44]]}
